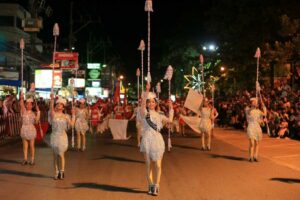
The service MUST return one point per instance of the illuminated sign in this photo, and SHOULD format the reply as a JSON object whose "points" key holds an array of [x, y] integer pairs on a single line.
{"points": [[43, 78], [93, 65], [78, 82], [67, 60], [93, 74]]}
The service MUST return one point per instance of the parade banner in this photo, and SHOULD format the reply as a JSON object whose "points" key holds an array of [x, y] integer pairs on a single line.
{"points": [[193, 101], [192, 122]]}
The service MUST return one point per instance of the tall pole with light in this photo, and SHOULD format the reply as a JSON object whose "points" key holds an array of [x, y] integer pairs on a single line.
{"points": [[55, 34], [138, 73], [158, 91], [168, 76], [142, 49], [148, 9], [257, 56], [201, 85], [22, 46]]}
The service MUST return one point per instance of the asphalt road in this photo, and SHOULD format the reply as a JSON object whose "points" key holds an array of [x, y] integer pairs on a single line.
{"points": [[113, 170]]}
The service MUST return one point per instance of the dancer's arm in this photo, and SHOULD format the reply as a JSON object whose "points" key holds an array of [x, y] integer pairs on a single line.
{"points": [[171, 113], [144, 98], [71, 121], [22, 103], [51, 105]]}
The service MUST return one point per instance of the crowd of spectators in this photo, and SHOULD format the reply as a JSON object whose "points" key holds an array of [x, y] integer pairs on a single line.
{"points": [[282, 121], [283, 111]]}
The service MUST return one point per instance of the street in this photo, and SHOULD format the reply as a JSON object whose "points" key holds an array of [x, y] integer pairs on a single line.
{"points": [[113, 170]]}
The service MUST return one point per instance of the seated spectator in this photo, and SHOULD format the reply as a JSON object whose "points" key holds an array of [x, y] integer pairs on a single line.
{"points": [[283, 128]]}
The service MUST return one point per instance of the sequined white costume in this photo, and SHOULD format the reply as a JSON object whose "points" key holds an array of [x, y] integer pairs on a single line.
{"points": [[59, 138], [81, 123], [254, 117], [205, 122], [28, 131], [152, 141]]}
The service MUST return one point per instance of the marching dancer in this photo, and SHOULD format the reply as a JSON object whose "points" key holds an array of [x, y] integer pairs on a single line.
{"points": [[59, 140], [181, 123], [254, 117], [138, 125], [205, 126], [28, 131], [152, 143], [81, 125]]}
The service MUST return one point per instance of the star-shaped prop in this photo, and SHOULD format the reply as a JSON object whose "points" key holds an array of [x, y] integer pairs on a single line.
{"points": [[194, 80]]}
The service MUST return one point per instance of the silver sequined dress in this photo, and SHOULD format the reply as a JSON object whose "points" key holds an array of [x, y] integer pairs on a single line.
{"points": [[59, 138], [28, 131], [254, 117], [152, 142], [205, 122], [81, 123]]}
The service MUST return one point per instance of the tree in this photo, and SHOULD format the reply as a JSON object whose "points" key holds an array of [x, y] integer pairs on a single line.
{"points": [[286, 51], [239, 28]]}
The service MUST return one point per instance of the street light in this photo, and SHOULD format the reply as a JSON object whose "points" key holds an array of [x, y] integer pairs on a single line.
{"points": [[210, 47], [222, 68]]}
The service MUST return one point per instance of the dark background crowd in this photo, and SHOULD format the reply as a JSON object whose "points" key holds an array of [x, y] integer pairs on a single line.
{"points": [[282, 103], [283, 111]]}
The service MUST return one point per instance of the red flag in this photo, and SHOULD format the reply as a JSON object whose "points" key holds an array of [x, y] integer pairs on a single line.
{"points": [[117, 92]]}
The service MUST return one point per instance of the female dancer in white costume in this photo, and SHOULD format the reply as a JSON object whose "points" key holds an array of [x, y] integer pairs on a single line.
{"points": [[152, 143], [254, 132], [59, 139], [81, 125], [28, 131], [205, 126]]}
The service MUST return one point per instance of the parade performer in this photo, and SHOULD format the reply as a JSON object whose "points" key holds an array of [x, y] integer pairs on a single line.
{"points": [[138, 123], [81, 124], [28, 131], [181, 123], [128, 111], [205, 125], [254, 117], [119, 111], [95, 114], [152, 143], [59, 140]]}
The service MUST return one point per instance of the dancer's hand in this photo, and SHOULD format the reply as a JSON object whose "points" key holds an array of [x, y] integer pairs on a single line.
{"points": [[22, 95], [148, 86], [37, 107], [73, 111], [170, 104], [51, 96]]}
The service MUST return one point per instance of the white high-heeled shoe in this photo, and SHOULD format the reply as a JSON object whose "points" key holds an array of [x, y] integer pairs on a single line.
{"points": [[156, 190]]}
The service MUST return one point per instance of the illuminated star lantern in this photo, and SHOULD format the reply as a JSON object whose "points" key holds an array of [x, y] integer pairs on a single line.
{"points": [[194, 80]]}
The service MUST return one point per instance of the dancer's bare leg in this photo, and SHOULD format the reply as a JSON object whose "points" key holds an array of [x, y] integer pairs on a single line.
{"points": [[78, 140], [251, 148], [148, 169], [25, 149], [157, 165], [83, 141], [203, 140], [256, 149], [55, 163], [138, 135], [32, 149]]}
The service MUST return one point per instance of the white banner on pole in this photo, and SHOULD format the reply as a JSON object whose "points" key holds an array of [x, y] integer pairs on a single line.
{"points": [[193, 101]]}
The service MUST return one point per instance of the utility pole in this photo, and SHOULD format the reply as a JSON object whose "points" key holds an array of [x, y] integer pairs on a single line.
{"points": [[71, 37]]}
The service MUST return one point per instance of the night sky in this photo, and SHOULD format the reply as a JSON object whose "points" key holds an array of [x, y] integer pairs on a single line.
{"points": [[125, 24]]}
